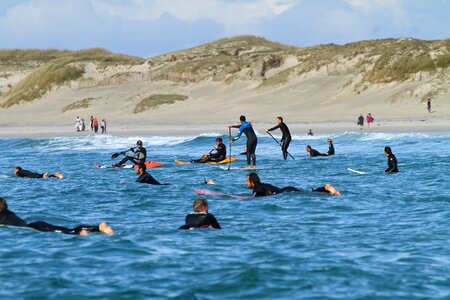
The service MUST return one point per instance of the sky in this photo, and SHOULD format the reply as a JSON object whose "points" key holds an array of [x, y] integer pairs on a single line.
{"points": [[150, 27]]}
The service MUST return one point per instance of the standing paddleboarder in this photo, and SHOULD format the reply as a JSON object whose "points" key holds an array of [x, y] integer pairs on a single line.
{"points": [[246, 128], [285, 139]]}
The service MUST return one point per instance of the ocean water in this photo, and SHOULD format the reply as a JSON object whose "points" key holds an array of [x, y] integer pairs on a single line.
{"points": [[387, 236]]}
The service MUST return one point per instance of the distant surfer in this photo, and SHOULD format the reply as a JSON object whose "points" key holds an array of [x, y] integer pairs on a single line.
{"points": [[310, 133], [200, 218], [429, 105], [9, 218], [264, 189], [145, 177], [252, 140], [19, 172], [314, 152], [360, 122], [221, 153], [392, 161], [285, 139], [330, 147], [137, 155]]}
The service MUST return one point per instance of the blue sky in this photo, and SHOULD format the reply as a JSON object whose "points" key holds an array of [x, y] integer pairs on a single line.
{"points": [[150, 27]]}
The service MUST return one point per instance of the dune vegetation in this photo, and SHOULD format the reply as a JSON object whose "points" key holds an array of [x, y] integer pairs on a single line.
{"points": [[53, 69], [156, 100]]}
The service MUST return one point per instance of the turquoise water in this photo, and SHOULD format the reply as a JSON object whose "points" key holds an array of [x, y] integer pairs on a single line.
{"points": [[387, 236]]}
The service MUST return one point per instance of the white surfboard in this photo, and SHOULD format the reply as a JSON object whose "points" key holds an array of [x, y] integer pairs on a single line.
{"points": [[357, 172]]}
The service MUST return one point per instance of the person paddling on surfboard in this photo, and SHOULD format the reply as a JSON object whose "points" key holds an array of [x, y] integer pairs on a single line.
{"points": [[314, 152], [19, 172], [137, 155], [392, 161], [145, 177], [9, 218], [285, 139], [265, 189], [246, 128], [221, 153], [200, 218]]}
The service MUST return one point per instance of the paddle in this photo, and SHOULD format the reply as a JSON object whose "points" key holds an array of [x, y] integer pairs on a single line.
{"points": [[279, 144], [120, 153], [229, 134]]}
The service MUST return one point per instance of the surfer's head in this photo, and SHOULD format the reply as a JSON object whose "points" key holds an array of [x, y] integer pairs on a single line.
{"points": [[139, 143], [252, 180], [242, 118], [201, 205], [387, 151], [3, 205]]}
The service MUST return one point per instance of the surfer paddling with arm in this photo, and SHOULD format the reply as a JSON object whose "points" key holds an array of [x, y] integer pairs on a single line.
{"points": [[264, 189], [246, 128], [8, 218], [314, 152], [19, 172], [200, 218]]}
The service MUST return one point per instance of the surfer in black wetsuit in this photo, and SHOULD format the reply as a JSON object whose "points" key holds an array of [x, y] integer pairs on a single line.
{"points": [[392, 161], [285, 139], [145, 177], [19, 172], [330, 147], [200, 218], [221, 153], [265, 189], [137, 155], [314, 152], [252, 140], [9, 218]]}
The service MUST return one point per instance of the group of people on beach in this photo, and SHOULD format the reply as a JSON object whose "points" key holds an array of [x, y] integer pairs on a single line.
{"points": [[93, 124], [369, 120], [200, 218]]}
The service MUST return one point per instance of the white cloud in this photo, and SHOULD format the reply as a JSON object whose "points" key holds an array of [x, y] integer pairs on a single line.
{"points": [[232, 14]]}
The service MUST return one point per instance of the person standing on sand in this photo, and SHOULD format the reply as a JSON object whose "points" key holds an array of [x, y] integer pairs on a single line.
{"points": [[91, 123], [310, 133], [95, 122], [369, 120], [103, 126], [429, 105], [360, 121]]}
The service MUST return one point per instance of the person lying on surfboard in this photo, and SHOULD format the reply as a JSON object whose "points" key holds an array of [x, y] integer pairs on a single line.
{"points": [[145, 177], [221, 153], [19, 172], [137, 155], [200, 218], [314, 152], [8, 218], [265, 189]]}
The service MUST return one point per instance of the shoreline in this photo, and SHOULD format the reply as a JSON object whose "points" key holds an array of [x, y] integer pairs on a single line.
{"points": [[299, 129]]}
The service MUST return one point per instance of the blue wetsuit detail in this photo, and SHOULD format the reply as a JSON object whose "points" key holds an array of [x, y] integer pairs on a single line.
{"points": [[252, 140]]}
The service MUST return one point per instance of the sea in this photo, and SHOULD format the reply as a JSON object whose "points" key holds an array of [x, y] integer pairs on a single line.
{"points": [[386, 237]]}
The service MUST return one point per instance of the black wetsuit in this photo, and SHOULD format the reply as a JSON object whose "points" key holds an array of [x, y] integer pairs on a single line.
{"points": [[252, 140], [200, 220], [331, 149], [221, 154], [11, 219], [285, 139], [147, 178], [392, 164], [139, 156], [29, 174], [361, 120], [314, 152], [265, 189]]}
